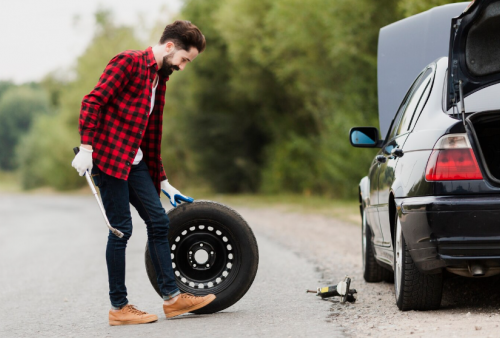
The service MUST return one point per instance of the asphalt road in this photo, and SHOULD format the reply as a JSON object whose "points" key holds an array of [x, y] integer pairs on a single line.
{"points": [[53, 280]]}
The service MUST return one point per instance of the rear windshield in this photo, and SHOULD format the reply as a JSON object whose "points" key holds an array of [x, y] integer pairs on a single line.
{"points": [[482, 100]]}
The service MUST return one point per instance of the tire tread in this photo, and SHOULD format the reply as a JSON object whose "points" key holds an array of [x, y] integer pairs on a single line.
{"points": [[374, 272], [420, 291]]}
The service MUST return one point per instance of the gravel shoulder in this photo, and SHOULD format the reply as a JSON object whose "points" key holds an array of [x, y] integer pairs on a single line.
{"points": [[470, 307]]}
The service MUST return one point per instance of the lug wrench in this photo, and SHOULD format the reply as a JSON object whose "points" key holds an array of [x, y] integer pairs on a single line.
{"points": [[118, 233]]}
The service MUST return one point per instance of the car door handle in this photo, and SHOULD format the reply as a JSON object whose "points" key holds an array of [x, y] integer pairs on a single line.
{"points": [[397, 152], [381, 158]]}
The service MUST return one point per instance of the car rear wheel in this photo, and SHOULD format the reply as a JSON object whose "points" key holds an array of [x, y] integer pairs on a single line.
{"points": [[372, 271], [213, 250], [414, 290]]}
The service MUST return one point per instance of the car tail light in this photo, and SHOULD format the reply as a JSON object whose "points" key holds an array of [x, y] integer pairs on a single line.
{"points": [[452, 159]]}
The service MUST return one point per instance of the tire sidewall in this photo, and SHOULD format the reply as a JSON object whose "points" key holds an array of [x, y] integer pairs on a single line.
{"points": [[236, 227], [364, 238], [399, 278]]}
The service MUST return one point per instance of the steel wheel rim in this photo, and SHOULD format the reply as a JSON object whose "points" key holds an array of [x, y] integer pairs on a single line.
{"points": [[219, 270], [398, 256]]}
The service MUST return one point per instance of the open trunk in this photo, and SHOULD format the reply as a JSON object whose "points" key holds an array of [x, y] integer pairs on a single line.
{"points": [[474, 50], [484, 127]]}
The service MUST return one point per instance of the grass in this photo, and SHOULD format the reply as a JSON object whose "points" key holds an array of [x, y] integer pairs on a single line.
{"points": [[345, 210], [9, 182]]}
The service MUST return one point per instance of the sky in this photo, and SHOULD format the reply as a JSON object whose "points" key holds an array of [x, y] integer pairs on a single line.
{"points": [[40, 36]]}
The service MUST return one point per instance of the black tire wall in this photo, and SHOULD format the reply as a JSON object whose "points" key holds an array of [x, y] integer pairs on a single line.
{"points": [[228, 219]]}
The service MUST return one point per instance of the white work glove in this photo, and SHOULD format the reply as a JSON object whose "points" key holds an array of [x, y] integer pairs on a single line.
{"points": [[173, 194], [83, 161]]}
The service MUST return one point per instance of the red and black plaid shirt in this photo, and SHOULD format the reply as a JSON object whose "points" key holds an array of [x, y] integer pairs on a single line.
{"points": [[115, 120]]}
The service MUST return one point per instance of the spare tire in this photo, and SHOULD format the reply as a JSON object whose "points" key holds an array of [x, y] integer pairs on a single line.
{"points": [[213, 251]]}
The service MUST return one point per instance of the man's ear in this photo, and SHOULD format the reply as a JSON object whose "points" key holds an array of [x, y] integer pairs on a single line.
{"points": [[169, 46]]}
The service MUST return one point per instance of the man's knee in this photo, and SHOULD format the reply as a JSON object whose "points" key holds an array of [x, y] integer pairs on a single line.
{"points": [[125, 238], [160, 224], [125, 230]]}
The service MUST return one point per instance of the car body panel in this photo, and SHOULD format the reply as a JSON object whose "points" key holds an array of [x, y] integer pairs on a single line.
{"points": [[372, 207], [368, 201], [451, 230], [386, 182]]}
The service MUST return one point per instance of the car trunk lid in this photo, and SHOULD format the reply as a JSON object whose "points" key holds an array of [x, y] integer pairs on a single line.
{"points": [[474, 59]]}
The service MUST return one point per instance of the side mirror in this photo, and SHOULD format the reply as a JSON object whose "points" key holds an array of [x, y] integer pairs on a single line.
{"points": [[364, 137]]}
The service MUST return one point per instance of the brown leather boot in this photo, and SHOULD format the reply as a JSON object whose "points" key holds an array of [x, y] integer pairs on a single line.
{"points": [[129, 314], [187, 303]]}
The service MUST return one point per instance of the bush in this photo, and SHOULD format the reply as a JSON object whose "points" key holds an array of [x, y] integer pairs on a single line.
{"points": [[45, 155], [18, 107]]}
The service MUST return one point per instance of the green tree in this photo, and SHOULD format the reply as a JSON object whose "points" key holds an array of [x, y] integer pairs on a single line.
{"points": [[310, 70], [47, 149], [211, 132], [412, 7], [4, 86], [19, 105]]}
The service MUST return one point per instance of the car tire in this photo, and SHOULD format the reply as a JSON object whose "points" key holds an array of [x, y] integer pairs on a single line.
{"points": [[414, 290], [228, 245], [372, 271]]}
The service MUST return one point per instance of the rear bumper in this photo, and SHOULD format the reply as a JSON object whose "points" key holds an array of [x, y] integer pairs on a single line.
{"points": [[451, 231]]}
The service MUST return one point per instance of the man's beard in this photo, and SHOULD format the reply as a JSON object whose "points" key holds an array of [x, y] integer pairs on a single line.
{"points": [[167, 67]]}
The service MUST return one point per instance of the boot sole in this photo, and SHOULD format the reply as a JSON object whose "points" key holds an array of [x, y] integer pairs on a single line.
{"points": [[192, 308], [132, 322]]}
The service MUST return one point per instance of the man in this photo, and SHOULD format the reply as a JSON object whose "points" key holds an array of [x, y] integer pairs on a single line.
{"points": [[121, 127]]}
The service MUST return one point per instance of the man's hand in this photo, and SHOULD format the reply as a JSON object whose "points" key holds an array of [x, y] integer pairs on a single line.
{"points": [[173, 194], [83, 160]]}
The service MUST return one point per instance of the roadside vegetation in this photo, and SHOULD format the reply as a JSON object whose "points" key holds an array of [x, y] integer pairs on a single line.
{"points": [[263, 112]]}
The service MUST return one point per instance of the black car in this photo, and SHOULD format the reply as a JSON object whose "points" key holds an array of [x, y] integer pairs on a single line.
{"points": [[431, 200]]}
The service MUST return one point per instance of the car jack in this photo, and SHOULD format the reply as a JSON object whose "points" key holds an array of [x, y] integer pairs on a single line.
{"points": [[342, 289]]}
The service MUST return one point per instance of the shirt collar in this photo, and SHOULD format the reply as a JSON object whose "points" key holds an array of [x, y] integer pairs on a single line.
{"points": [[150, 57]]}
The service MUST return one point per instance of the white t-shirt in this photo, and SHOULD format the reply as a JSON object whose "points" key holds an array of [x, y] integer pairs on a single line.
{"points": [[139, 155]]}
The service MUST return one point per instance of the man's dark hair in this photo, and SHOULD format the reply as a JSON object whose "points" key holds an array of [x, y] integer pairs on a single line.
{"points": [[184, 35]]}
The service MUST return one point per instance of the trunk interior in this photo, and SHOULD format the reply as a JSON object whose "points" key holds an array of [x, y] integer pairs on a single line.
{"points": [[483, 48], [486, 127]]}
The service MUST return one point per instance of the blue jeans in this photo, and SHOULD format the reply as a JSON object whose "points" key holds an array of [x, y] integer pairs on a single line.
{"points": [[138, 190]]}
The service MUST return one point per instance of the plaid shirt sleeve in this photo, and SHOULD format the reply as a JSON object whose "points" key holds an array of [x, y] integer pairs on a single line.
{"points": [[163, 175], [114, 78]]}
